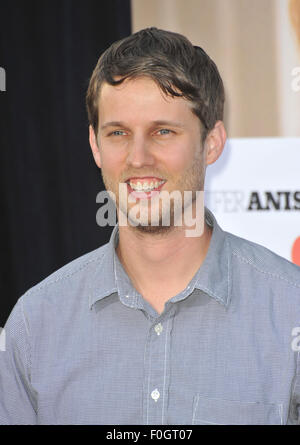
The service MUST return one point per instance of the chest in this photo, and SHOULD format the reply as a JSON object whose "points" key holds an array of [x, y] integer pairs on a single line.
{"points": [[192, 366]]}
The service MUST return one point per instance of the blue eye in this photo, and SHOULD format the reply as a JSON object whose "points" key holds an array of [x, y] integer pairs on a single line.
{"points": [[164, 131], [118, 133]]}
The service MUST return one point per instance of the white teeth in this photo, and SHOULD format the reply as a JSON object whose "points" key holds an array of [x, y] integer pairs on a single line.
{"points": [[145, 187]]}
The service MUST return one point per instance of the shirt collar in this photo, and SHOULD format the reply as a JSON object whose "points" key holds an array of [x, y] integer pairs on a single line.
{"points": [[213, 277], [103, 282]]}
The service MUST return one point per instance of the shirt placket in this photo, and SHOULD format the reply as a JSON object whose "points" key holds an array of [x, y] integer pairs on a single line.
{"points": [[157, 371]]}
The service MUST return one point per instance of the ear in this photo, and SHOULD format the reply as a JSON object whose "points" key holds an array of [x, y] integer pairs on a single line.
{"points": [[94, 146], [215, 142]]}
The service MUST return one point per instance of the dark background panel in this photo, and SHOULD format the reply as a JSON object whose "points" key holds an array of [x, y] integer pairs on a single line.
{"points": [[48, 178]]}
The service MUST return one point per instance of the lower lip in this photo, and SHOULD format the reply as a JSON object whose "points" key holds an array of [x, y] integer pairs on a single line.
{"points": [[144, 195]]}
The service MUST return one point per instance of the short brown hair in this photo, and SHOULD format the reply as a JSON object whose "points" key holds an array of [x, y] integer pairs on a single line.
{"points": [[169, 58]]}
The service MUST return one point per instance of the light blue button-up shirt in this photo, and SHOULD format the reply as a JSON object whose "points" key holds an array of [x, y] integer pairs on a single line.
{"points": [[84, 347]]}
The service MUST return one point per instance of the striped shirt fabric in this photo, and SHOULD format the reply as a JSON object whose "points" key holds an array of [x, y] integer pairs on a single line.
{"points": [[84, 347]]}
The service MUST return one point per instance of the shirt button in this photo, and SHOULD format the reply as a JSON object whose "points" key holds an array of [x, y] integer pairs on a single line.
{"points": [[158, 328], [155, 395]]}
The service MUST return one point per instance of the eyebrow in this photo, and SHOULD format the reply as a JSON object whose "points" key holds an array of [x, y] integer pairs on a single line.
{"points": [[169, 123], [158, 122], [112, 124]]}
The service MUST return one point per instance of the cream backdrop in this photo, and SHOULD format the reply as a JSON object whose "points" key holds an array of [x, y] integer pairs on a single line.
{"points": [[254, 192], [255, 47]]}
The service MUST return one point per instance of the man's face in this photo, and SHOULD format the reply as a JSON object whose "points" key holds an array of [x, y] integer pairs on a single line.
{"points": [[150, 140]]}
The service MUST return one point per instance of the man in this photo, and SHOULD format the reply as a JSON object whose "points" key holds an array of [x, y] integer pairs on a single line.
{"points": [[157, 327]]}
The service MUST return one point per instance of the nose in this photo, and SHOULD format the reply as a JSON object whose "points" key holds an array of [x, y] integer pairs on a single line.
{"points": [[139, 153]]}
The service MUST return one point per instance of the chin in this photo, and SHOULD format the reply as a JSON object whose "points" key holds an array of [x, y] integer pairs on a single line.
{"points": [[154, 230]]}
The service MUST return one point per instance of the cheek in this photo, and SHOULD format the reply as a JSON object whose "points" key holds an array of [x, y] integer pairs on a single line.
{"points": [[111, 161], [179, 158]]}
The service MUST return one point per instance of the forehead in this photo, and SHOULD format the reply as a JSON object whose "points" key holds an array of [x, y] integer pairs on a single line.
{"points": [[141, 97]]}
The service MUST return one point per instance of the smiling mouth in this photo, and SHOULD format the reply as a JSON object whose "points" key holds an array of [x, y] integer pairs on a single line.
{"points": [[144, 187]]}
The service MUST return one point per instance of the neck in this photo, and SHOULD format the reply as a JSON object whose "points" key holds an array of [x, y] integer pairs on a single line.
{"points": [[160, 266]]}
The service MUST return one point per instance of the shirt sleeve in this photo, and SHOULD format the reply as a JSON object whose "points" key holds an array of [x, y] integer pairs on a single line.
{"points": [[17, 397], [294, 409]]}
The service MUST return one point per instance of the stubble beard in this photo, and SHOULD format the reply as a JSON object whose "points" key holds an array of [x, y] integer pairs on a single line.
{"points": [[192, 180]]}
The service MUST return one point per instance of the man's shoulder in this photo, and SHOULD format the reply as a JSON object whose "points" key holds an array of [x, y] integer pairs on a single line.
{"points": [[264, 261], [67, 280]]}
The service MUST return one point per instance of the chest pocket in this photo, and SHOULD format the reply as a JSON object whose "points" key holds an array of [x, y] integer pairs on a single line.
{"points": [[208, 411]]}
